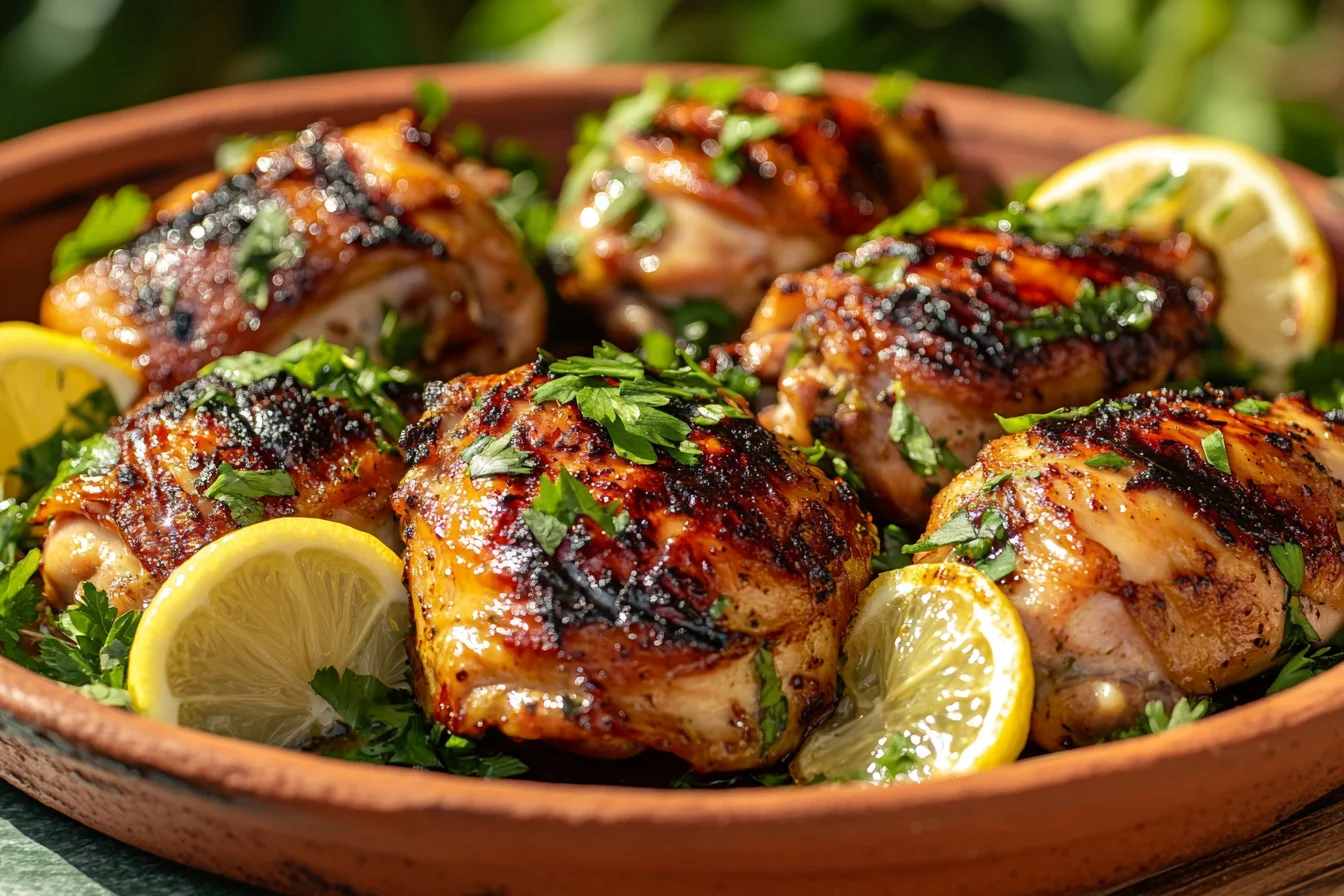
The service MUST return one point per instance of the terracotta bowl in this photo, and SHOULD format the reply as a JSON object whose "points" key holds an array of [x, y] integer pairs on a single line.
{"points": [[303, 824]]}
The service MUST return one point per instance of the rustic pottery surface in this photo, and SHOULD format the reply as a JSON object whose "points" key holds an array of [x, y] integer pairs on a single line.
{"points": [[302, 824]]}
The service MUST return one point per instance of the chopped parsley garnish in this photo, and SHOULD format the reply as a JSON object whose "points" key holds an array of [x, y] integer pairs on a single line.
{"points": [[891, 90], [719, 607], [1156, 720], [40, 462], [1155, 192], [891, 554], [1215, 451], [701, 324], [774, 707], [910, 435], [560, 502], [389, 728], [631, 409], [716, 90], [398, 342], [20, 595], [737, 131], [432, 100], [597, 137], [803, 79], [939, 204], [94, 657], [1060, 224], [269, 242], [331, 372], [234, 152], [111, 222], [1305, 664], [1289, 560], [525, 208], [488, 457], [1119, 308], [213, 394], [15, 531], [1023, 422], [974, 541], [239, 490], [895, 757], [1254, 406], [92, 457], [999, 479], [1108, 460], [833, 463]]}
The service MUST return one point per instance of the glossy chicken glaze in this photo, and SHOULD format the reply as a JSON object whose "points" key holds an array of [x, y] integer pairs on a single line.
{"points": [[385, 222], [1154, 580], [836, 167], [935, 336], [127, 529], [646, 639]]}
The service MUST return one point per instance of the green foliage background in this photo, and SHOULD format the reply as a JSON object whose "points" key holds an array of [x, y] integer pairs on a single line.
{"points": [[1269, 72]]}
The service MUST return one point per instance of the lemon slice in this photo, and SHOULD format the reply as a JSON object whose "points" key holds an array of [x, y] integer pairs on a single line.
{"points": [[1278, 289], [234, 636], [42, 374], [937, 679]]}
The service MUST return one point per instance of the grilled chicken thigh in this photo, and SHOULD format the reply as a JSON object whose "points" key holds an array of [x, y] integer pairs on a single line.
{"points": [[1144, 569], [126, 527], [898, 355], [697, 191], [315, 238], [708, 625]]}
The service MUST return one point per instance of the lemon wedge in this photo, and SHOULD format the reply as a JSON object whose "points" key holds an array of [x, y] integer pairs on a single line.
{"points": [[42, 375], [235, 635], [1278, 289], [937, 679]]}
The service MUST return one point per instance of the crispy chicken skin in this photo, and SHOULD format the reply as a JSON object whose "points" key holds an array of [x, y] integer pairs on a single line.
{"points": [[651, 638], [127, 529], [385, 222], [1155, 580], [935, 336], [836, 166]]}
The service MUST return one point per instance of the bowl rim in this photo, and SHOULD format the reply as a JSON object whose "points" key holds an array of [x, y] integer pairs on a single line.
{"points": [[233, 767]]}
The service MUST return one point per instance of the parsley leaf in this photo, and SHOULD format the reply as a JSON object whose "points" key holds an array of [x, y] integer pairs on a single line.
{"points": [[597, 137], [15, 531], [1253, 406], [1060, 224], [1023, 422], [1001, 564], [233, 153], [390, 729], [488, 457], [1215, 451], [999, 479], [331, 372], [735, 133], [268, 243], [1322, 376], [1108, 460], [1120, 308], [896, 757], [774, 706], [20, 596], [940, 203], [957, 529], [213, 394], [1306, 663], [559, 502], [98, 646], [719, 607], [803, 79], [1155, 719], [892, 554], [974, 542], [91, 457], [239, 490], [432, 100], [891, 90], [40, 462], [1288, 558], [702, 323], [909, 434], [111, 222], [716, 90], [400, 342], [833, 463]]}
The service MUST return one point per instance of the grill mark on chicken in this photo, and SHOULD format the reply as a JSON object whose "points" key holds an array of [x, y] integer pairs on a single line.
{"points": [[1237, 508], [170, 452], [611, 642]]}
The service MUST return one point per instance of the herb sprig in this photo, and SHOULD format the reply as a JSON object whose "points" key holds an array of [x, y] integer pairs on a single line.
{"points": [[111, 222], [773, 713], [559, 503], [1104, 316], [1156, 719], [270, 242], [239, 490], [977, 542]]}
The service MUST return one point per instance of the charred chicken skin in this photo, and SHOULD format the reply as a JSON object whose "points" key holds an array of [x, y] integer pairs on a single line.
{"points": [[702, 618], [899, 354], [315, 237], [689, 193], [1145, 534], [125, 529]]}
